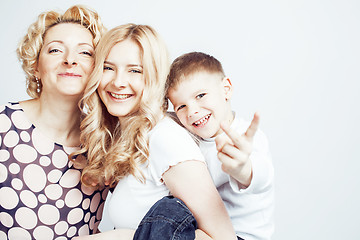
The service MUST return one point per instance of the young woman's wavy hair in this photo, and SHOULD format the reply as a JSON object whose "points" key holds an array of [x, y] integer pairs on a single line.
{"points": [[115, 150], [30, 46]]}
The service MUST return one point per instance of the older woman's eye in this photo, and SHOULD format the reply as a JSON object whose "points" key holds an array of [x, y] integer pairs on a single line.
{"points": [[87, 53], [54, 50]]}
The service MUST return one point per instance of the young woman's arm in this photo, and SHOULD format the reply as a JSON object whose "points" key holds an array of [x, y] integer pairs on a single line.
{"points": [[191, 182], [200, 235]]}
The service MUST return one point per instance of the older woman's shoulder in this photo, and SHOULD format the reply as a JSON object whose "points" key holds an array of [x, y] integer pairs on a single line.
{"points": [[5, 107]]}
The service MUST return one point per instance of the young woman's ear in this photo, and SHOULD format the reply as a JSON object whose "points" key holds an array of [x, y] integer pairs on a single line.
{"points": [[228, 88]]}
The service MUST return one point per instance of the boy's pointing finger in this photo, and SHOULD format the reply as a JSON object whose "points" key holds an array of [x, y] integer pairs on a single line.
{"points": [[254, 125]]}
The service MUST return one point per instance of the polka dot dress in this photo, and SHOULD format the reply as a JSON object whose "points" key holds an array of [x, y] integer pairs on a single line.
{"points": [[41, 196]]}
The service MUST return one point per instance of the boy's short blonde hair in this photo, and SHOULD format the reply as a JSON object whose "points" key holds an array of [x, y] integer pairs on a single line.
{"points": [[190, 63]]}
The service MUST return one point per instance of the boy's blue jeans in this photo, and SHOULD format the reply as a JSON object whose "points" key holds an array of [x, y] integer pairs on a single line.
{"points": [[169, 218]]}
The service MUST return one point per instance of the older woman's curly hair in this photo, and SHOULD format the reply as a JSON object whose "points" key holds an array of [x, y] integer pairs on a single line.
{"points": [[115, 150], [30, 46]]}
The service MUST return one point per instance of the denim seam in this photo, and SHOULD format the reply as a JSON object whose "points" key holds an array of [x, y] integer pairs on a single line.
{"points": [[184, 206], [181, 227], [152, 219]]}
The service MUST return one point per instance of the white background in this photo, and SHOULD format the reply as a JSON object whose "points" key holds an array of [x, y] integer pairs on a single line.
{"points": [[297, 62]]}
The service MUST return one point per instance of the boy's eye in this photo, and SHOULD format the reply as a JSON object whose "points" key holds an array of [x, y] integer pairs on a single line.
{"points": [[200, 95], [180, 107]]}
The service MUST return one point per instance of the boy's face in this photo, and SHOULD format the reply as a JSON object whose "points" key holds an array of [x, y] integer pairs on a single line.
{"points": [[201, 102]]}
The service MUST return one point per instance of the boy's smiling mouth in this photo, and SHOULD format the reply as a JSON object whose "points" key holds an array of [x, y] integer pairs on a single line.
{"points": [[201, 122]]}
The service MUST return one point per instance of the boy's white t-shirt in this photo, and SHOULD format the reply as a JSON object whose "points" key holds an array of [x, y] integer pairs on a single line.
{"points": [[251, 209], [169, 144]]}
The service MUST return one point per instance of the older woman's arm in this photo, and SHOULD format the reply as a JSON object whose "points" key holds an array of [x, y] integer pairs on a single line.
{"points": [[119, 234]]}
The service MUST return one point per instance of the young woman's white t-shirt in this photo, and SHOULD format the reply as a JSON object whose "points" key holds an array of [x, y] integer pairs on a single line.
{"points": [[169, 144]]}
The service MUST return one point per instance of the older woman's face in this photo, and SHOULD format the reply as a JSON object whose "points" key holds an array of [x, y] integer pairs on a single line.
{"points": [[66, 60]]}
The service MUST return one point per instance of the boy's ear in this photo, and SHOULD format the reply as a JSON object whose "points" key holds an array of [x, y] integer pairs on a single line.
{"points": [[228, 88]]}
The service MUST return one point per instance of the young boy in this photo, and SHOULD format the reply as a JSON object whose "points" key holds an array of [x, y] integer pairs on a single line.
{"points": [[236, 152]]}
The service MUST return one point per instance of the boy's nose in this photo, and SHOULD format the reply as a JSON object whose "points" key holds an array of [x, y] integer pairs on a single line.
{"points": [[192, 111]]}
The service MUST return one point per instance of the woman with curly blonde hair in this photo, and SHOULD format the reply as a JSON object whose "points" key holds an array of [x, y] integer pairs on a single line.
{"points": [[133, 146], [45, 197]]}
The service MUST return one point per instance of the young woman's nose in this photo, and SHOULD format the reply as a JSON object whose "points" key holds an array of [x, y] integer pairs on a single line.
{"points": [[120, 80]]}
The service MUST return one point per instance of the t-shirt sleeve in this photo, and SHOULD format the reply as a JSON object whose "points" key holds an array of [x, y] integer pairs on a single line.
{"points": [[170, 144]]}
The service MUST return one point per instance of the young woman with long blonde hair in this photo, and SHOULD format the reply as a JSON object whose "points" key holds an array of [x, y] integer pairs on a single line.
{"points": [[133, 146]]}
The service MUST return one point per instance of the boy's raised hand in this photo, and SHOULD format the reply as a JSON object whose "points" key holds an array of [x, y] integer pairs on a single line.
{"points": [[234, 151]]}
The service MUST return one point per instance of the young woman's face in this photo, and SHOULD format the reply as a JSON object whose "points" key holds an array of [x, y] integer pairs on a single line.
{"points": [[65, 60], [122, 84]]}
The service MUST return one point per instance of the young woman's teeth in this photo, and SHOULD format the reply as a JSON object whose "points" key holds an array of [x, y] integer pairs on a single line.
{"points": [[120, 96], [202, 120]]}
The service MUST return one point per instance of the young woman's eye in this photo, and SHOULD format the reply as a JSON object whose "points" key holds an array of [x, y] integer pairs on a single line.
{"points": [[135, 71], [180, 107], [200, 95], [107, 68]]}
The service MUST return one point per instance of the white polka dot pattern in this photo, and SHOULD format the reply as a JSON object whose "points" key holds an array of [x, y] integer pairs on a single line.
{"points": [[29, 199], [14, 168], [4, 155], [11, 139], [8, 198], [41, 196], [3, 173], [5, 123], [43, 232], [17, 184], [6, 220]]}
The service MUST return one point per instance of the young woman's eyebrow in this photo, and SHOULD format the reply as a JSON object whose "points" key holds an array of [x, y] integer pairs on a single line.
{"points": [[108, 62], [135, 65]]}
